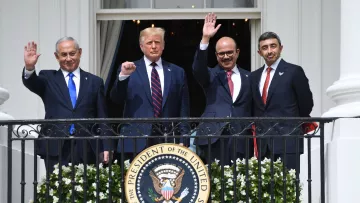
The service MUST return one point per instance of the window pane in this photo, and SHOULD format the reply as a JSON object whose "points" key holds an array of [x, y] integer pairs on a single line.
{"points": [[171, 4], [230, 3], [138, 4], [161, 4]]}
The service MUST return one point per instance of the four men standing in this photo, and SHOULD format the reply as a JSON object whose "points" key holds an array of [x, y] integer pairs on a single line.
{"points": [[154, 88]]}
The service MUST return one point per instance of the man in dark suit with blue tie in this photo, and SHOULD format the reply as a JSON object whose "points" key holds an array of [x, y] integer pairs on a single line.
{"points": [[68, 92], [280, 89], [151, 88], [228, 94]]}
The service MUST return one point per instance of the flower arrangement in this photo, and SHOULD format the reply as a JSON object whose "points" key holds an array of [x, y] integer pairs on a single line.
{"points": [[216, 181], [66, 194], [253, 178]]}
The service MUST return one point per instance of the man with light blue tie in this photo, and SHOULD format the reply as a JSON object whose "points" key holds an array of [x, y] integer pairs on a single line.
{"points": [[66, 93]]}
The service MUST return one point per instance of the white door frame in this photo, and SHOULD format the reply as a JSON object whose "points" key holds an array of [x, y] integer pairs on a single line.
{"points": [[252, 14]]}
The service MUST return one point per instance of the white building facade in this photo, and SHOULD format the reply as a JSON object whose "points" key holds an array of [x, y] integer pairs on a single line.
{"points": [[319, 35]]}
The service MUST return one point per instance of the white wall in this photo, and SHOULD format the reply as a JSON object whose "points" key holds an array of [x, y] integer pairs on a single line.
{"points": [[42, 21]]}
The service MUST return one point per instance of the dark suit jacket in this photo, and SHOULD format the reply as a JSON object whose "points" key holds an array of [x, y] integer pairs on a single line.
{"points": [[219, 102], [51, 86], [289, 95], [135, 92]]}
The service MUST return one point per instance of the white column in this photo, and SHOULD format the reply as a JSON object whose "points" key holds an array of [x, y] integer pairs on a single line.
{"points": [[346, 91], [343, 139]]}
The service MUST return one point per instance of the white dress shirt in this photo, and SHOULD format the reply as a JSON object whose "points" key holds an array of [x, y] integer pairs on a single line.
{"points": [[76, 77], [235, 77], [264, 73], [159, 68]]}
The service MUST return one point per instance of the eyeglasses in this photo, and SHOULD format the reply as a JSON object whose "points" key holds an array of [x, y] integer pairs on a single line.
{"points": [[222, 54]]}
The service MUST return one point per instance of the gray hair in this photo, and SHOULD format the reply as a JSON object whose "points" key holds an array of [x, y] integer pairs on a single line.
{"points": [[268, 35], [66, 39]]}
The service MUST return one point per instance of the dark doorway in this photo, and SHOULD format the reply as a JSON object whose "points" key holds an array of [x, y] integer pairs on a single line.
{"points": [[182, 38]]}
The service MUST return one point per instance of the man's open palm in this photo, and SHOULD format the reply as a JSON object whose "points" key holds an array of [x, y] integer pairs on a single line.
{"points": [[209, 29], [30, 55]]}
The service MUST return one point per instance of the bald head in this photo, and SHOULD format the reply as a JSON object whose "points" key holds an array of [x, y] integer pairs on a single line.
{"points": [[225, 41], [227, 52]]}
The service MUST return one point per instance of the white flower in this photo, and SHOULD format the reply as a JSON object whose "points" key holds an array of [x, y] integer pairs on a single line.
{"points": [[127, 164], [90, 201], [78, 188], [230, 182], [216, 180], [56, 171], [292, 173], [94, 185], [217, 161], [56, 183], [51, 192], [102, 195], [67, 181], [231, 193], [55, 199]]}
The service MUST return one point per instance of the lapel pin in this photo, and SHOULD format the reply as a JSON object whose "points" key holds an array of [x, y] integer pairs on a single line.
{"points": [[85, 78], [246, 75], [281, 73], [169, 69]]}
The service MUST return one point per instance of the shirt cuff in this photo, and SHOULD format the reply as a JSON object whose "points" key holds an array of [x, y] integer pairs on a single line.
{"points": [[123, 77], [203, 46], [28, 73]]}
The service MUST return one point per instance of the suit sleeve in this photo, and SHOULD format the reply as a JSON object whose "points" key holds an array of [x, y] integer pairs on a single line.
{"points": [[119, 90], [200, 69], [185, 111], [303, 92], [102, 113], [35, 83]]}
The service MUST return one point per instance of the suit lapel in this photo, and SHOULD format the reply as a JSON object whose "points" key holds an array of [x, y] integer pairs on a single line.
{"points": [[144, 79], [83, 86], [60, 81], [221, 75], [275, 80], [167, 80], [244, 83], [257, 85]]}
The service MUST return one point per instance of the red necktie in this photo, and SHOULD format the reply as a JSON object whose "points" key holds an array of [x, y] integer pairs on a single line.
{"points": [[266, 85], [230, 82], [156, 91]]}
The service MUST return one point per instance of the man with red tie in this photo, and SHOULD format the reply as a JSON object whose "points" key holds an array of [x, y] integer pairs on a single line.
{"points": [[228, 94], [279, 89]]}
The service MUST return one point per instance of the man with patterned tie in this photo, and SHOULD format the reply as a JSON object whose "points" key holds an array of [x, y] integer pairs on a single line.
{"points": [[68, 92], [151, 88], [227, 91], [280, 89]]}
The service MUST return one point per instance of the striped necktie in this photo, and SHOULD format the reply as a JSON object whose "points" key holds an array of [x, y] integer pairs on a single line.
{"points": [[156, 91]]}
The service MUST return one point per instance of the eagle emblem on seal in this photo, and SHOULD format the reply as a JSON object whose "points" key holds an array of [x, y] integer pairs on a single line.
{"points": [[167, 179]]}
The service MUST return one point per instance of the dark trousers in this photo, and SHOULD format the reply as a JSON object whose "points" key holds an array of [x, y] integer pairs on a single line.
{"points": [[221, 150], [65, 158], [290, 159]]}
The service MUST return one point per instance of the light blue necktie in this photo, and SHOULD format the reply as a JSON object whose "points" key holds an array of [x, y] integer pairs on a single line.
{"points": [[72, 92]]}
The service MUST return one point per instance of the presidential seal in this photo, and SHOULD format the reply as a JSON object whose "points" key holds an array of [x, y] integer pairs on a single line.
{"points": [[167, 173]]}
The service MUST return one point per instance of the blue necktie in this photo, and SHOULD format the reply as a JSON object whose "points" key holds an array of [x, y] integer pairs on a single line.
{"points": [[72, 92], [156, 91]]}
